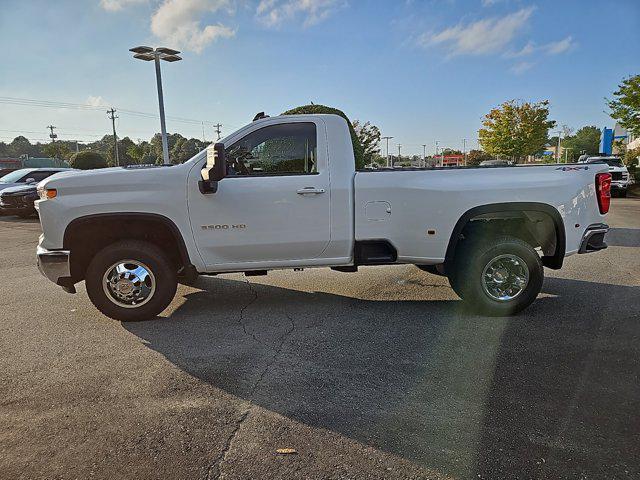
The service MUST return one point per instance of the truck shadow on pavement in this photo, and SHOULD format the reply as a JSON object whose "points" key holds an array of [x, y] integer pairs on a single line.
{"points": [[550, 393]]}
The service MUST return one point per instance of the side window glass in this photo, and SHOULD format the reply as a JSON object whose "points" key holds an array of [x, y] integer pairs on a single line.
{"points": [[38, 176], [286, 149]]}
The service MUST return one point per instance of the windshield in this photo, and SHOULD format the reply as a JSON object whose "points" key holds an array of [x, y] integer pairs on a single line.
{"points": [[612, 162], [13, 177]]}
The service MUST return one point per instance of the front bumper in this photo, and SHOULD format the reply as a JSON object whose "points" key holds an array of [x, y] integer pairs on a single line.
{"points": [[56, 266], [593, 238]]}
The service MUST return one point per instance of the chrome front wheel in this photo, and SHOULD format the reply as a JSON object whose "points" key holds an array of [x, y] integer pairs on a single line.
{"points": [[129, 283]]}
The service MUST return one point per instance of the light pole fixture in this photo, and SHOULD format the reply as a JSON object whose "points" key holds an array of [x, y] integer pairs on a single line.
{"points": [[156, 54]]}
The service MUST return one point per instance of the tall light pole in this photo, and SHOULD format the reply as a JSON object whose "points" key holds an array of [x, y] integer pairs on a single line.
{"points": [[399, 147], [436, 154], [424, 154], [168, 55], [387, 139], [558, 150], [464, 150]]}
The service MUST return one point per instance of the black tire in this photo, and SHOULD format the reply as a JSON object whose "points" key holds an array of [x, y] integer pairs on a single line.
{"points": [[468, 271], [153, 258], [622, 193], [26, 214]]}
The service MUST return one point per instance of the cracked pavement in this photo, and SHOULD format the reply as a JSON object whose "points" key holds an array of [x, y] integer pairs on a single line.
{"points": [[378, 374]]}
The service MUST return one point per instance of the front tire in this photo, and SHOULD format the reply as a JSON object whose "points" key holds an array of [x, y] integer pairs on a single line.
{"points": [[499, 277], [131, 280]]}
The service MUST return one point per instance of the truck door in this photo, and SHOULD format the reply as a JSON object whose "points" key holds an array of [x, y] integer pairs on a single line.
{"points": [[273, 206]]}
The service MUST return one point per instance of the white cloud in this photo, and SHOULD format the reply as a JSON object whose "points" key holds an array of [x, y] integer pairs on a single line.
{"points": [[552, 48], [115, 5], [95, 101], [521, 67], [275, 12], [561, 46], [528, 49], [490, 35], [177, 23]]}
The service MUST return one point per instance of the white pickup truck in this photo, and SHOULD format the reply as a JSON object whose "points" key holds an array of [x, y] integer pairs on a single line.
{"points": [[283, 192]]}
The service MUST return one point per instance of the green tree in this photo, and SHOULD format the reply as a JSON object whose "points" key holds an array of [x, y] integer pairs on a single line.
{"points": [[516, 129], [474, 157], [124, 144], [586, 140], [57, 150], [358, 152], [141, 153], [625, 107], [369, 137], [87, 160]]}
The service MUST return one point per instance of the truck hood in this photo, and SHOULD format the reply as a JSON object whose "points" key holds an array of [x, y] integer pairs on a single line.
{"points": [[112, 179]]}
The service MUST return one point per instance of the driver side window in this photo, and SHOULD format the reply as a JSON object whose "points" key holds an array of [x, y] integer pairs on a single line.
{"points": [[285, 149]]}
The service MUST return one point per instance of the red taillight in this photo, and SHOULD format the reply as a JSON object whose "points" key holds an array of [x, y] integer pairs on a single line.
{"points": [[603, 190]]}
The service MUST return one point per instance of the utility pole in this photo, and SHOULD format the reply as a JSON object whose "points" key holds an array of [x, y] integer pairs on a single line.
{"points": [[558, 150], [464, 150], [52, 135], [217, 130], [387, 139], [112, 115], [399, 146], [436, 154], [424, 154]]}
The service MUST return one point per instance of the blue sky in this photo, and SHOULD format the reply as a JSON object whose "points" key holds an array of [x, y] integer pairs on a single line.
{"points": [[420, 70]]}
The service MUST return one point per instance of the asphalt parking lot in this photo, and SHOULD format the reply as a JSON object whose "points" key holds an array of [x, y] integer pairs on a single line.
{"points": [[378, 374]]}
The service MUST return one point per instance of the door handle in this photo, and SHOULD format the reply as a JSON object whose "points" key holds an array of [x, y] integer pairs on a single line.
{"points": [[310, 190]]}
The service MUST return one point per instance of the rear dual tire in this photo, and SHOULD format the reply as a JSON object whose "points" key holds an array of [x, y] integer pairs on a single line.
{"points": [[499, 277]]}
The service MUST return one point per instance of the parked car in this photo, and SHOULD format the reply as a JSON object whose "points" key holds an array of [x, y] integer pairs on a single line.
{"points": [[283, 192], [496, 163], [25, 176], [19, 200], [620, 178]]}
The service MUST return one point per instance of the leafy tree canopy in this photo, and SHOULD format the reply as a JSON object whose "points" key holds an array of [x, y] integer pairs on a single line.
{"points": [[625, 106], [358, 151], [87, 160], [516, 129], [369, 137], [585, 141], [474, 157]]}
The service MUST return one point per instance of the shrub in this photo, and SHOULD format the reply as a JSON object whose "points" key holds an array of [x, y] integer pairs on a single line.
{"points": [[358, 151], [87, 160]]}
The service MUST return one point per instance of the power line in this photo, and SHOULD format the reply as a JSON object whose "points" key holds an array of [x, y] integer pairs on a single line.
{"points": [[29, 102]]}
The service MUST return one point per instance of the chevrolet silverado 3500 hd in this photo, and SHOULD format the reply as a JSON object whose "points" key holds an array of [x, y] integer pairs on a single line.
{"points": [[283, 192]]}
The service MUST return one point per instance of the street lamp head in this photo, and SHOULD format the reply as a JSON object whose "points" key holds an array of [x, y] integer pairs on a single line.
{"points": [[170, 58], [141, 49], [147, 57], [168, 51]]}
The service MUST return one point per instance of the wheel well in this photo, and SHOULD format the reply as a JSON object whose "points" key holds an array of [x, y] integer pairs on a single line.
{"points": [[86, 236], [538, 225]]}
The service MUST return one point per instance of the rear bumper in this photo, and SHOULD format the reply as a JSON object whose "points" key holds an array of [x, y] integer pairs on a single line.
{"points": [[593, 238], [56, 266]]}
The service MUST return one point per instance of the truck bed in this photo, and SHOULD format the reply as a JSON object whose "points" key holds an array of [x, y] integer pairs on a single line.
{"points": [[416, 209]]}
